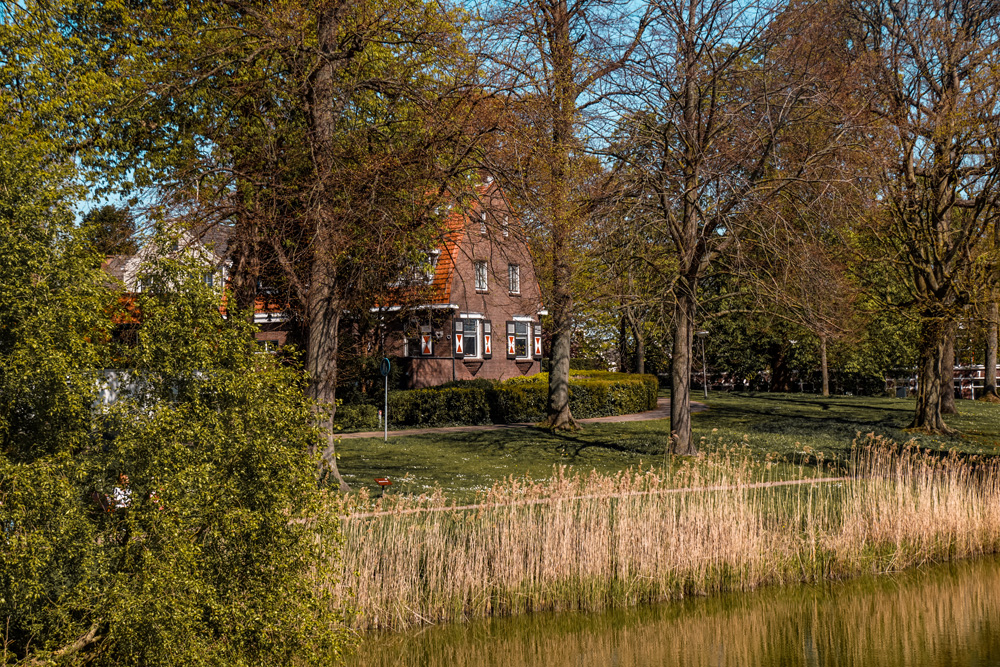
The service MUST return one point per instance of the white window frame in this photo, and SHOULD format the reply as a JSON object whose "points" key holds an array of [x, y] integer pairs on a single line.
{"points": [[478, 319], [477, 334], [482, 272], [514, 278], [527, 336], [482, 224]]}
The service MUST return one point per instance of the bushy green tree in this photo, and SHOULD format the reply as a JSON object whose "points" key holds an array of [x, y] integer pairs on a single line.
{"points": [[215, 548], [111, 230]]}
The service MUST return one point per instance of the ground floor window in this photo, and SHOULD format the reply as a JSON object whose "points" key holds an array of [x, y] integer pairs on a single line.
{"points": [[517, 340], [470, 337]]}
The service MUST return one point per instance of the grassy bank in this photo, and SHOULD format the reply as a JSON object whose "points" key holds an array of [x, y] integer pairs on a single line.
{"points": [[780, 427], [601, 540]]}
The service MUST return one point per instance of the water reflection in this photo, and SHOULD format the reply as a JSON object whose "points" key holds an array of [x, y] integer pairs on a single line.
{"points": [[942, 616]]}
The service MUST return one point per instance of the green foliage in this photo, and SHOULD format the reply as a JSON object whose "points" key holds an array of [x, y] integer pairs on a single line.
{"points": [[439, 407], [216, 557], [582, 364], [357, 417], [111, 231], [521, 399], [517, 402], [591, 394], [359, 379]]}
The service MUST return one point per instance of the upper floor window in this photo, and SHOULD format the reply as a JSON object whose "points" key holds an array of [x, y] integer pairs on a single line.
{"points": [[209, 279], [481, 282], [514, 278], [505, 226], [482, 224]]}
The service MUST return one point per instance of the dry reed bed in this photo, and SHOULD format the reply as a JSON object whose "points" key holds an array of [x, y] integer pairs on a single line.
{"points": [[596, 541]]}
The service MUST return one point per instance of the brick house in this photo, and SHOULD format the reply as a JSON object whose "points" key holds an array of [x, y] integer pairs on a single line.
{"points": [[479, 317], [472, 311]]}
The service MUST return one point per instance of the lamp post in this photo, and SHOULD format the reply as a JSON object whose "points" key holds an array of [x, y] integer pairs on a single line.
{"points": [[702, 335]]}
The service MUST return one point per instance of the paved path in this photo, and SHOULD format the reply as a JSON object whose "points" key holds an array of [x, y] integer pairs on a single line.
{"points": [[662, 411]]}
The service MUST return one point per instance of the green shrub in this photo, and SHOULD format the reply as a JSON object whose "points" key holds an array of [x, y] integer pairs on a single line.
{"points": [[357, 417], [517, 400], [592, 394], [478, 383], [582, 364], [521, 399], [439, 407]]}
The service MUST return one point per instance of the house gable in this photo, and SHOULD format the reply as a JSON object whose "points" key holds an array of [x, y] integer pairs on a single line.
{"points": [[482, 318]]}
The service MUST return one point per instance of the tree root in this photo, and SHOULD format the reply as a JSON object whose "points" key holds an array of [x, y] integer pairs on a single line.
{"points": [[560, 422]]}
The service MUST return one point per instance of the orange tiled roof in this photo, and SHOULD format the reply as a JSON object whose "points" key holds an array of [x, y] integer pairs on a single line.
{"points": [[438, 290], [454, 232]]}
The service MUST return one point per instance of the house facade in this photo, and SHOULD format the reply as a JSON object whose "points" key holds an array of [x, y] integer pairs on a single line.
{"points": [[481, 315]]}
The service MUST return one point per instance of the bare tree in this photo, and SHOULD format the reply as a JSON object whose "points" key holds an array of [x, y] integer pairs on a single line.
{"points": [[722, 93], [555, 59], [930, 70], [798, 278]]}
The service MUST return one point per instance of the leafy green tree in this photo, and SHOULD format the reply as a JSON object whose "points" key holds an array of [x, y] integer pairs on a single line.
{"points": [[111, 230], [325, 135], [180, 524], [219, 543]]}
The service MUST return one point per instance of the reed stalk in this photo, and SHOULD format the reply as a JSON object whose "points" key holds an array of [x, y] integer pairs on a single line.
{"points": [[717, 523]]}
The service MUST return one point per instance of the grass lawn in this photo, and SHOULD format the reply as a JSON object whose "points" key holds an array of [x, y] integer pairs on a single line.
{"points": [[789, 427]]}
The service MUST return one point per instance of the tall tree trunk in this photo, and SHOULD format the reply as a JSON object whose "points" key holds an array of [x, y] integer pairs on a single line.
{"points": [[321, 360], [244, 271], [929, 375], [824, 369], [948, 371], [623, 355], [639, 363], [559, 415], [564, 112], [323, 304], [781, 374], [680, 374], [640, 352], [990, 393]]}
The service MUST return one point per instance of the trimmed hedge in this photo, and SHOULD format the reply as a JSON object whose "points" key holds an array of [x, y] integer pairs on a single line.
{"points": [[521, 399], [439, 407], [591, 394], [357, 417]]}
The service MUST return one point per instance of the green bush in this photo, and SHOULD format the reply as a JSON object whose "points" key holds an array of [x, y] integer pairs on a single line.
{"points": [[517, 400], [521, 399], [439, 407], [582, 364], [212, 553], [478, 383], [357, 417]]}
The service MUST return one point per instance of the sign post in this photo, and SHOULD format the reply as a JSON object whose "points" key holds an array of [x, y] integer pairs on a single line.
{"points": [[384, 369]]}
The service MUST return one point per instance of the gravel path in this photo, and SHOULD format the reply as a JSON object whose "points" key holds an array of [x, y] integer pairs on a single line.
{"points": [[662, 411]]}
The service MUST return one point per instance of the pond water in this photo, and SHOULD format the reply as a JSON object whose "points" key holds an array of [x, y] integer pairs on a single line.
{"points": [[940, 616]]}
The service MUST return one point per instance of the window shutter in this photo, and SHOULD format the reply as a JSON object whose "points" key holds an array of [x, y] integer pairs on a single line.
{"points": [[426, 345], [458, 346], [487, 340], [538, 341], [511, 350]]}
